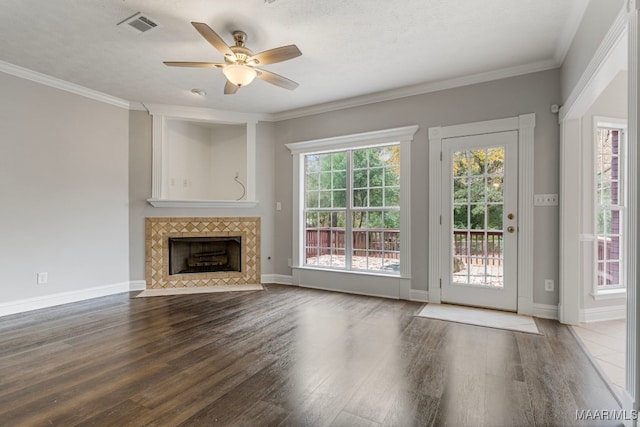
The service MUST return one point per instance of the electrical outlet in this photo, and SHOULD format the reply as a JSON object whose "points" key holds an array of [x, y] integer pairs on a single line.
{"points": [[545, 200], [42, 278], [548, 285]]}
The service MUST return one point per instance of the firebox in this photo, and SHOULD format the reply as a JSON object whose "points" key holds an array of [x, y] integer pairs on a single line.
{"points": [[189, 255]]}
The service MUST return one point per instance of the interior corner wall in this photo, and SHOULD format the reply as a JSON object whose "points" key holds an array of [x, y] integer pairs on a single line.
{"points": [[63, 184], [140, 161], [531, 93], [596, 21]]}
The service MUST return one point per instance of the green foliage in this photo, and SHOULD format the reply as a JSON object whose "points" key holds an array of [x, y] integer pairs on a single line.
{"points": [[478, 189], [376, 183]]}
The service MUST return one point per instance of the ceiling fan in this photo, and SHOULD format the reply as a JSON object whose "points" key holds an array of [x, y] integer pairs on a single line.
{"points": [[240, 63]]}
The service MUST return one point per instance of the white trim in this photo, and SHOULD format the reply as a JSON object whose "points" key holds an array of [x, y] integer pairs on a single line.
{"points": [[600, 314], [356, 140], [137, 285], [280, 279], [570, 277], [632, 386], [200, 114], [525, 125], [545, 311], [419, 295], [157, 203], [66, 86], [526, 143], [36, 303], [606, 294], [418, 89]]}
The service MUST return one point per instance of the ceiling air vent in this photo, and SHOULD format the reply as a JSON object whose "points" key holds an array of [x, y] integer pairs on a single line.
{"points": [[138, 23]]}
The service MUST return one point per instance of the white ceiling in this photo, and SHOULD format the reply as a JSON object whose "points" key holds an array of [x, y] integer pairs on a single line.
{"points": [[350, 48]]}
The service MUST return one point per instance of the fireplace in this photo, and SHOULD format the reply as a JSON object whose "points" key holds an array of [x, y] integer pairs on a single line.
{"points": [[185, 252], [189, 255]]}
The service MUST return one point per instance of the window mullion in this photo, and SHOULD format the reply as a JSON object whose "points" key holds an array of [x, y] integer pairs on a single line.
{"points": [[348, 239]]}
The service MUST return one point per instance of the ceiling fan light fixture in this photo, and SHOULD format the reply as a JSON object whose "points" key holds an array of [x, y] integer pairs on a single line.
{"points": [[238, 74]]}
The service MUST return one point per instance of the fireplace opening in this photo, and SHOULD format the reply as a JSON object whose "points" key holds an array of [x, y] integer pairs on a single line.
{"points": [[204, 254]]}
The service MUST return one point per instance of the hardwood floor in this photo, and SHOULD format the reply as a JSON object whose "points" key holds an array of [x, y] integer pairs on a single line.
{"points": [[284, 356]]}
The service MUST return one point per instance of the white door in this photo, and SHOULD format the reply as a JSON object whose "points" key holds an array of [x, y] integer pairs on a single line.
{"points": [[480, 220]]}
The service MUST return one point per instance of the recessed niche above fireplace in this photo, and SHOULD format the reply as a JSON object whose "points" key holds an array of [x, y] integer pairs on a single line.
{"points": [[203, 157]]}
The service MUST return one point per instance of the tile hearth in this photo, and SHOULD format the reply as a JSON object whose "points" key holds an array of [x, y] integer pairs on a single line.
{"points": [[158, 231]]}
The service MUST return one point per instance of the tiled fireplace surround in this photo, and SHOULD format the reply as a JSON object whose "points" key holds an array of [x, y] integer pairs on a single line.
{"points": [[158, 231]]}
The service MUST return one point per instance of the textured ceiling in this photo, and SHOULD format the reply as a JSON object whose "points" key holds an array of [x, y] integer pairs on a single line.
{"points": [[350, 48]]}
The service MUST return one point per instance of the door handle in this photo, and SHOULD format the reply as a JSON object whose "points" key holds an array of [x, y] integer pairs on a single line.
{"points": [[511, 229]]}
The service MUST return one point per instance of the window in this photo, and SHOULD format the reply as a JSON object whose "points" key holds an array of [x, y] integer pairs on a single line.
{"points": [[352, 209], [609, 207]]}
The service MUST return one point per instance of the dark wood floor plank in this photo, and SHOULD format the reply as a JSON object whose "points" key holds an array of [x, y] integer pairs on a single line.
{"points": [[283, 356]]}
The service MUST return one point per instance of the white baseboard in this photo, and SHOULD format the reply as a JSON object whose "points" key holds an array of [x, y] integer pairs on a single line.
{"points": [[137, 285], [29, 304], [600, 314], [420, 296], [280, 279], [545, 311]]}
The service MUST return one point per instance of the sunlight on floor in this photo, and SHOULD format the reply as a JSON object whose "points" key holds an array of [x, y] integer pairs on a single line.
{"points": [[606, 343]]}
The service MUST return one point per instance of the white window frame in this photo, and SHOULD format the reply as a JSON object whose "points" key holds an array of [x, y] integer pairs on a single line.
{"points": [[602, 292], [403, 136]]}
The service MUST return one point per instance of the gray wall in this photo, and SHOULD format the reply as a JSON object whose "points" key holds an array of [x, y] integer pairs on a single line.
{"points": [[595, 24], [63, 189], [140, 191], [532, 93]]}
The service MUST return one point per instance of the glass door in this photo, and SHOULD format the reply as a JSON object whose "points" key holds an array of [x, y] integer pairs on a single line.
{"points": [[480, 220]]}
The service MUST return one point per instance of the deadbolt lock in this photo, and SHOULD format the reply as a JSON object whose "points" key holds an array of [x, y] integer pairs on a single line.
{"points": [[510, 216]]}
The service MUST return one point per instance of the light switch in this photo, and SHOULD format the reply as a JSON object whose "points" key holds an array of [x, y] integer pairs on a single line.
{"points": [[545, 200]]}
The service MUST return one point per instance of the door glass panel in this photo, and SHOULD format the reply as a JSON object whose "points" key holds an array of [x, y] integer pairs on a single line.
{"points": [[477, 213]]}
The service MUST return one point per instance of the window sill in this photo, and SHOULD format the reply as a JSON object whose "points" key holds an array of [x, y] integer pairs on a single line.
{"points": [[609, 294], [390, 275], [158, 203]]}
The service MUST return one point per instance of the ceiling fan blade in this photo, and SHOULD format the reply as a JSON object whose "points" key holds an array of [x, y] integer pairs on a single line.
{"points": [[193, 64], [276, 79], [277, 54], [230, 88], [213, 38]]}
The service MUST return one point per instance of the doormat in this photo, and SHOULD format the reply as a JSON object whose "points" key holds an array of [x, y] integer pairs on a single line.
{"points": [[198, 290], [480, 317]]}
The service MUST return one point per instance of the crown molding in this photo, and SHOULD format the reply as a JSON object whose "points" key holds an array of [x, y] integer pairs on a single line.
{"points": [[413, 90], [46, 80], [202, 113]]}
